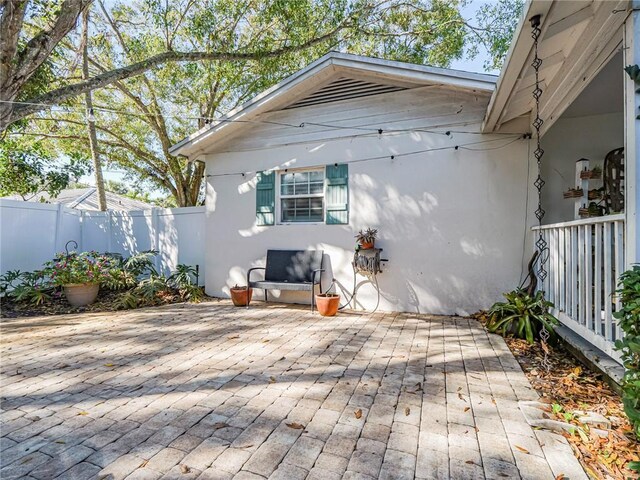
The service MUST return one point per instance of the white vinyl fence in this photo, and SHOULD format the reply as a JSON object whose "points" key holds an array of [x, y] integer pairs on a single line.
{"points": [[32, 233]]}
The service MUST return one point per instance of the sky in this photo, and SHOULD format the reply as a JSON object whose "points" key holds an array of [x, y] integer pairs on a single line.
{"points": [[475, 65]]}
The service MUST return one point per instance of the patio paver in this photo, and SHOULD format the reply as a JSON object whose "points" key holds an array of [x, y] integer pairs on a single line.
{"points": [[210, 391]]}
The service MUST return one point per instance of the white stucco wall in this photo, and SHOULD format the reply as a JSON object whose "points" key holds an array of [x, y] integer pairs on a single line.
{"points": [[569, 140], [451, 222]]}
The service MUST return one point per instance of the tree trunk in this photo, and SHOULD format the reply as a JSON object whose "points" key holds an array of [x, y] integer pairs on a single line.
{"points": [[91, 125]]}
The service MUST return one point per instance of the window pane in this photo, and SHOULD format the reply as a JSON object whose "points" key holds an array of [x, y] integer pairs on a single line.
{"points": [[286, 189], [316, 176], [316, 187], [302, 189], [287, 178]]}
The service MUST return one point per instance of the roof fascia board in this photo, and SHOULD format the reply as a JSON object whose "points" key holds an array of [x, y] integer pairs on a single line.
{"points": [[282, 92], [515, 62]]}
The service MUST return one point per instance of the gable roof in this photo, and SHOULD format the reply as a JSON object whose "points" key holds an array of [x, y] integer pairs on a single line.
{"points": [[87, 199], [335, 76], [577, 39]]}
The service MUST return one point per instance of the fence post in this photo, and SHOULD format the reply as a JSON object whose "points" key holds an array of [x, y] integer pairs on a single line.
{"points": [[56, 236], [109, 228], [81, 228], [155, 232]]}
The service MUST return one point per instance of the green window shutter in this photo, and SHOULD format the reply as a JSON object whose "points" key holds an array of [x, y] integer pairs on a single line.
{"points": [[337, 194], [266, 198]]}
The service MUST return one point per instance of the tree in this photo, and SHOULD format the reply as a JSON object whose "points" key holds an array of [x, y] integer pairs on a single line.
{"points": [[158, 107], [25, 64], [29, 169]]}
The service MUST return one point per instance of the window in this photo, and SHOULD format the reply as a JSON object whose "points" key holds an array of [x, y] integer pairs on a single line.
{"points": [[302, 196]]}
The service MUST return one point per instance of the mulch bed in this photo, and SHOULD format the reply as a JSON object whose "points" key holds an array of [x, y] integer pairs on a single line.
{"points": [[576, 389], [58, 305]]}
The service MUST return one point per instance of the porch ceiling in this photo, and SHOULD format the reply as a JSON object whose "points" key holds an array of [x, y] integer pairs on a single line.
{"points": [[577, 40]]}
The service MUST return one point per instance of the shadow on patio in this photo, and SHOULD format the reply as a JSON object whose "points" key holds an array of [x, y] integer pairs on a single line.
{"points": [[213, 391]]}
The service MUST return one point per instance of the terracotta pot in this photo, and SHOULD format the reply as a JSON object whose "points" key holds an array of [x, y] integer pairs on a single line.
{"points": [[367, 245], [328, 304], [81, 294], [241, 296]]}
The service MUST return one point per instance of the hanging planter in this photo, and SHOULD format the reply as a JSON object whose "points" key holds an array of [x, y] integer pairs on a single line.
{"points": [[595, 194], [573, 193], [594, 174]]}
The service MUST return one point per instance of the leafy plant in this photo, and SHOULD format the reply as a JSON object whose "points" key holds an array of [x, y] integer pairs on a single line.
{"points": [[522, 315], [142, 263], [151, 287], [628, 318], [367, 236], [83, 267], [184, 276]]}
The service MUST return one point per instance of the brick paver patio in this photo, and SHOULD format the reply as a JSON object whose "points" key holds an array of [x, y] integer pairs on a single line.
{"points": [[210, 391]]}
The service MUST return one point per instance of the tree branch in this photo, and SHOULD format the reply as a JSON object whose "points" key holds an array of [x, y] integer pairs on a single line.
{"points": [[64, 93]]}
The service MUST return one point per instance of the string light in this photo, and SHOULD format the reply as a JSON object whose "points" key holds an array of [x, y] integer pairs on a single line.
{"points": [[211, 121], [397, 155]]}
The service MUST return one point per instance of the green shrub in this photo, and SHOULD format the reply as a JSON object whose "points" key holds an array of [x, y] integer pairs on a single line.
{"points": [[521, 315], [628, 318]]}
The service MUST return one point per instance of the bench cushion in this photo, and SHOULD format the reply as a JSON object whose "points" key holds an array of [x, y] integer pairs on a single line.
{"points": [[292, 266], [265, 285]]}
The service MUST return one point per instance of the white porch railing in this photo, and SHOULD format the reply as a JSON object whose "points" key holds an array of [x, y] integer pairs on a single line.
{"points": [[585, 259]]}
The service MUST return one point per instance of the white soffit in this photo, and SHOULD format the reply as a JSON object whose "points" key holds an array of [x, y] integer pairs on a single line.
{"points": [[578, 38]]}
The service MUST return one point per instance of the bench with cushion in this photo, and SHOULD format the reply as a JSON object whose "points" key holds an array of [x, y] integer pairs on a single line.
{"points": [[290, 270]]}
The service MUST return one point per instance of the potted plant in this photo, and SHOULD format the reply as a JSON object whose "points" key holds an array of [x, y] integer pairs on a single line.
{"points": [[79, 275], [367, 239], [327, 303], [573, 193], [241, 296], [594, 174]]}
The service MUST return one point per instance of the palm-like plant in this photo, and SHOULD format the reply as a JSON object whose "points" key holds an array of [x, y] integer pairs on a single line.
{"points": [[522, 315]]}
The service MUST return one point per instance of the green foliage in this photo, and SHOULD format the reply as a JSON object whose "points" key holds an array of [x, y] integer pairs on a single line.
{"points": [[521, 315], [497, 23], [28, 169], [135, 278], [74, 268], [169, 102], [26, 287], [628, 318]]}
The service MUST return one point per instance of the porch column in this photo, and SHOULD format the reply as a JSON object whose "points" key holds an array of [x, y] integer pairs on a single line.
{"points": [[632, 137]]}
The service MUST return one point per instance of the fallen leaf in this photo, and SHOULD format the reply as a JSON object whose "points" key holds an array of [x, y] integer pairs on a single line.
{"points": [[560, 476], [265, 341], [83, 413], [522, 449], [220, 425], [60, 441], [407, 411], [295, 426], [461, 397], [358, 413], [272, 379], [143, 464], [466, 409], [233, 337], [109, 365], [184, 468], [470, 462]]}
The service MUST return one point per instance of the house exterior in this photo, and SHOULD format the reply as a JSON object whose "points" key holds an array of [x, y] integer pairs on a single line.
{"points": [[442, 163]]}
